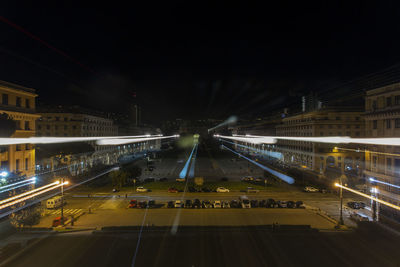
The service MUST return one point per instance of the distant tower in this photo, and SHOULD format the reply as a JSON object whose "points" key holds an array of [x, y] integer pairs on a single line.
{"points": [[135, 114]]}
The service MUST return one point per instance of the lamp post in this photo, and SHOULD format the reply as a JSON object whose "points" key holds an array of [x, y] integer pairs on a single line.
{"points": [[62, 201], [341, 202]]}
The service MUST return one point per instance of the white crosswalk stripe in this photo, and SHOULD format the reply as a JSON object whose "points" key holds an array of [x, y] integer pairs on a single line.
{"points": [[66, 211]]}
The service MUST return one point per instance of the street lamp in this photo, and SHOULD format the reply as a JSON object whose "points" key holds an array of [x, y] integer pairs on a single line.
{"points": [[62, 200], [341, 201]]}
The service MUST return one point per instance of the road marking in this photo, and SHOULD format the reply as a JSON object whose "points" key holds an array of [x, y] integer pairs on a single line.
{"points": [[66, 211]]}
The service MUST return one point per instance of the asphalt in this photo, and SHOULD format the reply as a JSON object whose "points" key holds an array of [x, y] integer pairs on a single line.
{"points": [[216, 246]]}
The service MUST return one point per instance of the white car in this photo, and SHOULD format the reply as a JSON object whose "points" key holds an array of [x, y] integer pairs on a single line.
{"points": [[217, 204], [178, 204], [141, 189], [248, 178], [310, 189], [222, 190]]}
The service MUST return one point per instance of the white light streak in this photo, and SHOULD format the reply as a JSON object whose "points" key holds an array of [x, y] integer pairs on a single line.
{"points": [[107, 142], [31, 196], [370, 197], [28, 192], [56, 140]]}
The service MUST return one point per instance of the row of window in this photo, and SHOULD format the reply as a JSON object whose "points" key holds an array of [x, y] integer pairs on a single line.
{"points": [[18, 101], [388, 123]]}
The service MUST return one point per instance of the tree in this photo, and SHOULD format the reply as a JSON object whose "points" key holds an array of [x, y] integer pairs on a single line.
{"points": [[118, 178], [27, 217]]}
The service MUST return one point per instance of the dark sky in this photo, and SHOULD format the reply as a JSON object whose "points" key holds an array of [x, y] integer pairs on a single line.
{"points": [[192, 59]]}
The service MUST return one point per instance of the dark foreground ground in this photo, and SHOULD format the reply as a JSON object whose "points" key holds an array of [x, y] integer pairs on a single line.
{"points": [[216, 246]]}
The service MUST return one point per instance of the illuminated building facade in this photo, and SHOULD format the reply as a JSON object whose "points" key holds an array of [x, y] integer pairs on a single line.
{"points": [[18, 103]]}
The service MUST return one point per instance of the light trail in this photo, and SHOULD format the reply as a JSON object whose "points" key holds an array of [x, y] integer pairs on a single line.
{"points": [[28, 192], [281, 176], [370, 151], [370, 197], [229, 121], [31, 196], [192, 166], [183, 173], [4, 214], [276, 155], [255, 139], [17, 183], [57, 140], [381, 182], [118, 141], [18, 186]]}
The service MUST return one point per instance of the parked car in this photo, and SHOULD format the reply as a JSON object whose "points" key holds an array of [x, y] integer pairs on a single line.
{"points": [[290, 204], [180, 180], [252, 190], [188, 203], [178, 204], [163, 179], [258, 180], [222, 190], [254, 203], [356, 205], [132, 204], [270, 203], [217, 204], [142, 204], [245, 202], [115, 190], [206, 189], [299, 204], [248, 179], [141, 189], [235, 204], [359, 217], [196, 204], [170, 204], [281, 204], [226, 205], [310, 189], [151, 203], [172, 190], [262, 203], [206, 204]]}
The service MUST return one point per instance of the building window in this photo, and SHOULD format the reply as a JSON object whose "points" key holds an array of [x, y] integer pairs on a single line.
{"points": [[39, 127], [388, 101], [27, 103], [74, 127], [348, 133], [374, 105], [26, 164], [397, 166], [388, 124], [374, 161], [337, 118], [48, 127], [397, 100], [26, 146], [397, 123], [65, 119], [27, 125], [4, 99], [17, 165], [357, 118], [374, 124], [18, 101], [389, 163], [321, 134], [357, 133], [57, 118], [65, 127], [56, 127], [17, 147]]}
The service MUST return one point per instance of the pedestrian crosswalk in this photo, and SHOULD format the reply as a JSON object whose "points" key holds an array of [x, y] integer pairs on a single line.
{"points": [[66, 211]]}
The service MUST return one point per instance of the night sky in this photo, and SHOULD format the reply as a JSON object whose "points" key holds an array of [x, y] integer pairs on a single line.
{"points": [[194, 60]]}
